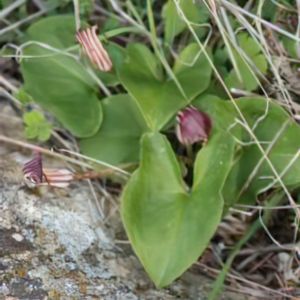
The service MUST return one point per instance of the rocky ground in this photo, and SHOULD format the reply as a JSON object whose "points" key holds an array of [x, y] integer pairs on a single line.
{"points": [[55, 245]]}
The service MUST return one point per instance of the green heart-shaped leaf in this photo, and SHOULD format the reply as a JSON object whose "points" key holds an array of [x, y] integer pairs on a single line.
{"points": [[59, 82], [157, 97], [168, 226], [117, 141]]}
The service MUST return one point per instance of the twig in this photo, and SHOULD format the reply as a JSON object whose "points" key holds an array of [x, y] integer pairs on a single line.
{"points": [[6, 11], [264, 22], [8, 140], [76, 14], [96, 161], [218, 284], [251, 283], [122, 13], [21, 22], [265, 249], [258, 207], [7, 84]]}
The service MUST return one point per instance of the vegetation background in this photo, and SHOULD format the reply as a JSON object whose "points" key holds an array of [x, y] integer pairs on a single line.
{"points": [[222, 200]]}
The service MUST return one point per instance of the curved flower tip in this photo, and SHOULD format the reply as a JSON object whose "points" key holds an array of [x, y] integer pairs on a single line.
{"points": [[94, 49], [192, 126], [33, 171]]}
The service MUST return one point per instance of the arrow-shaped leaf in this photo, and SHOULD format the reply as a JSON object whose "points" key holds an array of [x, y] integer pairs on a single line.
{"points": [[168, 226]]}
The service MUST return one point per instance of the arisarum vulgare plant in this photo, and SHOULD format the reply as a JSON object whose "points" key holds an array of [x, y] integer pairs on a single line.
{"points": [[169, 221], [192, 126]]}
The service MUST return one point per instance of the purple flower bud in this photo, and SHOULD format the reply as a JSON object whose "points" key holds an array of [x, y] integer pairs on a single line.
{"points": [[192, 126]]}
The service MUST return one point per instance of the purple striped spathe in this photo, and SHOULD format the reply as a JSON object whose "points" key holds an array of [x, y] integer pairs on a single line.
{"points": [[35, 175], [33, 171]]}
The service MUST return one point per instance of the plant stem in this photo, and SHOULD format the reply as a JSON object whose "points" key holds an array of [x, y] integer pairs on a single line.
{"points": [[190, 153]]}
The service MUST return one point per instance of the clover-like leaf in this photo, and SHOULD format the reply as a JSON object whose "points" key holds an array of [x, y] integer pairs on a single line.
{"points": [[169, 226], [37, 127]]}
